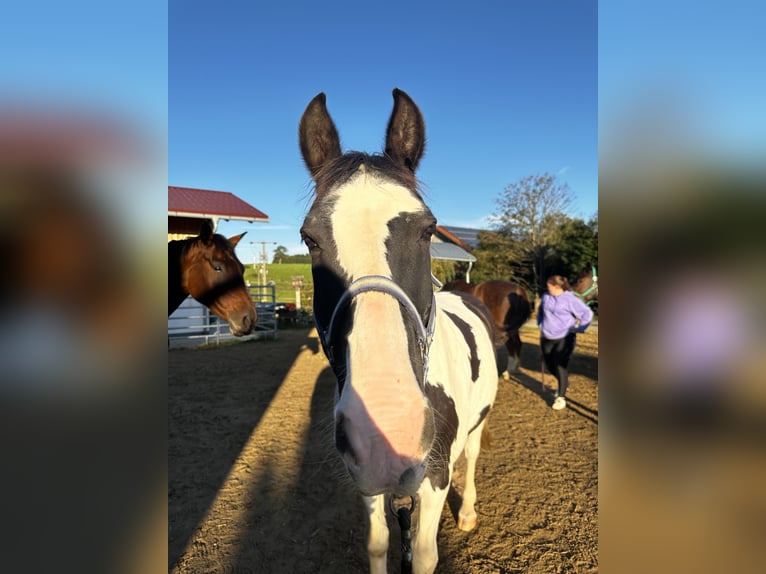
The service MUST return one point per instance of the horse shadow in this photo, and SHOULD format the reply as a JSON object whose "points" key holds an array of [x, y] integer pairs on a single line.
{"points": [[319, 524], [204, 404], [323, 525]]}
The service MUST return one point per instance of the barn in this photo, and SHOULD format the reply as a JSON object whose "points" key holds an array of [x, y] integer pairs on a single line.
{"points": [[187, 207]]}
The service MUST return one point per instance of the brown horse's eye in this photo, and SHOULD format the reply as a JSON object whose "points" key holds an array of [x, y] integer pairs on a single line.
{"points": [[217, 267]]}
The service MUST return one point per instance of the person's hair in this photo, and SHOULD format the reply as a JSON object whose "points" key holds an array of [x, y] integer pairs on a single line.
{"points": [[559, 281]]}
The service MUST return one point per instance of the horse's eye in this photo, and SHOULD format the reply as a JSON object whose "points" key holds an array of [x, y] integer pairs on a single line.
{"points": [[217, 267], [310, 243]]}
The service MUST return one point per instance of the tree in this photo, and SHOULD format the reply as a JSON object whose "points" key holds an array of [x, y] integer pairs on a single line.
{"points": [[531, 213], [443, 270], [279, 254], [577, 248], [494, 257]]}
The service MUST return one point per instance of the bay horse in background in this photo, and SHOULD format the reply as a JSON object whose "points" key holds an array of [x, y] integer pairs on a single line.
{"points": [[585, 286], [207, 268], [415, 369], [509, 306]]}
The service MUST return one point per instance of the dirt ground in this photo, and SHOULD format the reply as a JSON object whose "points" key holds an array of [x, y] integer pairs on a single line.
{"points": [[255, 485]]}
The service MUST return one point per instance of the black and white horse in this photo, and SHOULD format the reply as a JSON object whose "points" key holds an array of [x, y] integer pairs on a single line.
{"points": [[416, 369]]}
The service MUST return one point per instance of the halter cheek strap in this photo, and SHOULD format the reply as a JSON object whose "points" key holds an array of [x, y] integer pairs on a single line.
{"points": [[592, 287], [385, 285]]}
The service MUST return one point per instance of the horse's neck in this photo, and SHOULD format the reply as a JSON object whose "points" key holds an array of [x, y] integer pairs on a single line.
{"points": [[176, 292]]}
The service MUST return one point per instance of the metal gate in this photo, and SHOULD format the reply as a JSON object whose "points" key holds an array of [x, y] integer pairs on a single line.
{"points": [[193, 324]]}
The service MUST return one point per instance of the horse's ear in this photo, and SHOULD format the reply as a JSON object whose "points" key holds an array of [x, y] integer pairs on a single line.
{"points": [[206, 231], [318, 136], [406, 133], [234, 240]]}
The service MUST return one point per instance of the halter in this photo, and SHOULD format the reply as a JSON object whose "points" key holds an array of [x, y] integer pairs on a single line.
{"points": [[592, 287], [385, 285]]}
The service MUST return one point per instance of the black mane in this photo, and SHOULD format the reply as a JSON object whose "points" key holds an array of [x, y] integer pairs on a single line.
{"points": [[340, 170]]}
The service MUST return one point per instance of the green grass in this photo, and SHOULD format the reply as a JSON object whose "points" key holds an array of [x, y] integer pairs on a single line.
{"points": [[281, 274]]}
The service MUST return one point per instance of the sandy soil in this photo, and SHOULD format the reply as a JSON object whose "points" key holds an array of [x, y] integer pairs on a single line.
{"points": [[255, 485]]}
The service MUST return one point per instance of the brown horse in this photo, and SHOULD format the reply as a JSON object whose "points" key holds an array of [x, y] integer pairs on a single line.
{"points": [[585, 286], [207, 268], [509, 305]]}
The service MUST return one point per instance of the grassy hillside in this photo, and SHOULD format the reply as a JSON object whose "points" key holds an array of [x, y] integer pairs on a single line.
{"points": [[282, 274]]}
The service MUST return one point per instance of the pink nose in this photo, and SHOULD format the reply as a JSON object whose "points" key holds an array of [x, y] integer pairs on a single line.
{"points": [[375, 465]]}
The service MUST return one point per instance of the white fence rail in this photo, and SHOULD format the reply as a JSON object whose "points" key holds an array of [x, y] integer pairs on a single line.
{"points": [[193, 324]]}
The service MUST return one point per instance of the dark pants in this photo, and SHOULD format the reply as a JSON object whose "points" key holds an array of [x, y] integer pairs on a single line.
{"points": [[556, 354]]}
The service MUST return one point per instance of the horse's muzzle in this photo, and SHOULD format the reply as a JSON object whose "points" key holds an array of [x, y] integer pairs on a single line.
{"points": [[375, 466], [242, 324]]}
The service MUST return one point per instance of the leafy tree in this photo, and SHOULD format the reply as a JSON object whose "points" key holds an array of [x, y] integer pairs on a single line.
{"points": [[279, 254], [576, 249], [494, 256], [530, 215], [443, 270]]}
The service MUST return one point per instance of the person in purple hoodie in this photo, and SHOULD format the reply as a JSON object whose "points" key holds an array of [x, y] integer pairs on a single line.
{"points": [[560, 316]]}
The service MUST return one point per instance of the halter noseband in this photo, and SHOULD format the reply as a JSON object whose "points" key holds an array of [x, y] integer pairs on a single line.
{"points": [[385, 285], [593, 286]]}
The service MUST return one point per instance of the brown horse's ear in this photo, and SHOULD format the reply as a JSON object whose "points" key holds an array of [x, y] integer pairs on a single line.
{"points": [[406, 133], [318, 136], [234, 240], [206, 231]]}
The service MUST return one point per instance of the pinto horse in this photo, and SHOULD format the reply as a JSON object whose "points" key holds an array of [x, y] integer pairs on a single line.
{"points": [[509, 306], [586, 286], [416, 370], [207, 268]]}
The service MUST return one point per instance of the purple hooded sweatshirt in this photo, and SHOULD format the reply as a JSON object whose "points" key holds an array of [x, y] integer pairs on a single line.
{"points": [[557, 315]]}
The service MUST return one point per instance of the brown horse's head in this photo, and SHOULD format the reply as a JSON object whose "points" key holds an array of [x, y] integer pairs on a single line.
{"points": [[586, 284], [210, 271]]}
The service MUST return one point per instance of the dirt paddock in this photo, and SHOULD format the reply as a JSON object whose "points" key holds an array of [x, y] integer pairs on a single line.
{"points": [[255, 485]]}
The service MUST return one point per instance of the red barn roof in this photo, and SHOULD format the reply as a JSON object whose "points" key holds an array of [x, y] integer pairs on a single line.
{"points": [[187, 201]]}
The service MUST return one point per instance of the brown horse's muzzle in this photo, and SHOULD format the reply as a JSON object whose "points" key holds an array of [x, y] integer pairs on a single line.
{"points": [[242, 322], [237, 309]]}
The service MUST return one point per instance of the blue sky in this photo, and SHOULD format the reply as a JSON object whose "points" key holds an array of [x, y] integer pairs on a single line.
{"points": [[508, 89], [694, 70]]}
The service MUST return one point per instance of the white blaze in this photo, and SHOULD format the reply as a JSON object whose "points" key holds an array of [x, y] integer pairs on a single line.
{"points": [[360, 222], [384, 385]]}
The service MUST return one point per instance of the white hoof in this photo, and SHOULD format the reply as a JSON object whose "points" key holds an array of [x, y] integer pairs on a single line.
{"points": [[466, 523]]}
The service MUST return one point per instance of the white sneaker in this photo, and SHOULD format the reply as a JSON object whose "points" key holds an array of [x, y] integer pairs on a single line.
{"points": [[559, 403]]}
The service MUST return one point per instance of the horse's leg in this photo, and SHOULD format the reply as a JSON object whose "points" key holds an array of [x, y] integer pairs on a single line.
{"points": [[509, 365], [467, 515], [513, 344], [425, 553], [377, 542]]}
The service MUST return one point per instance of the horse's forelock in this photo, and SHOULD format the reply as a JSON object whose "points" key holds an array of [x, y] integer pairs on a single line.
{"points": [[217, 244], [586, 272], [340, 170]]}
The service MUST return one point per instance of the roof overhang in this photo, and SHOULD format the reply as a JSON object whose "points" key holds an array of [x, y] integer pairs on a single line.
{"points": [[451, 252], [216, 216]]}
